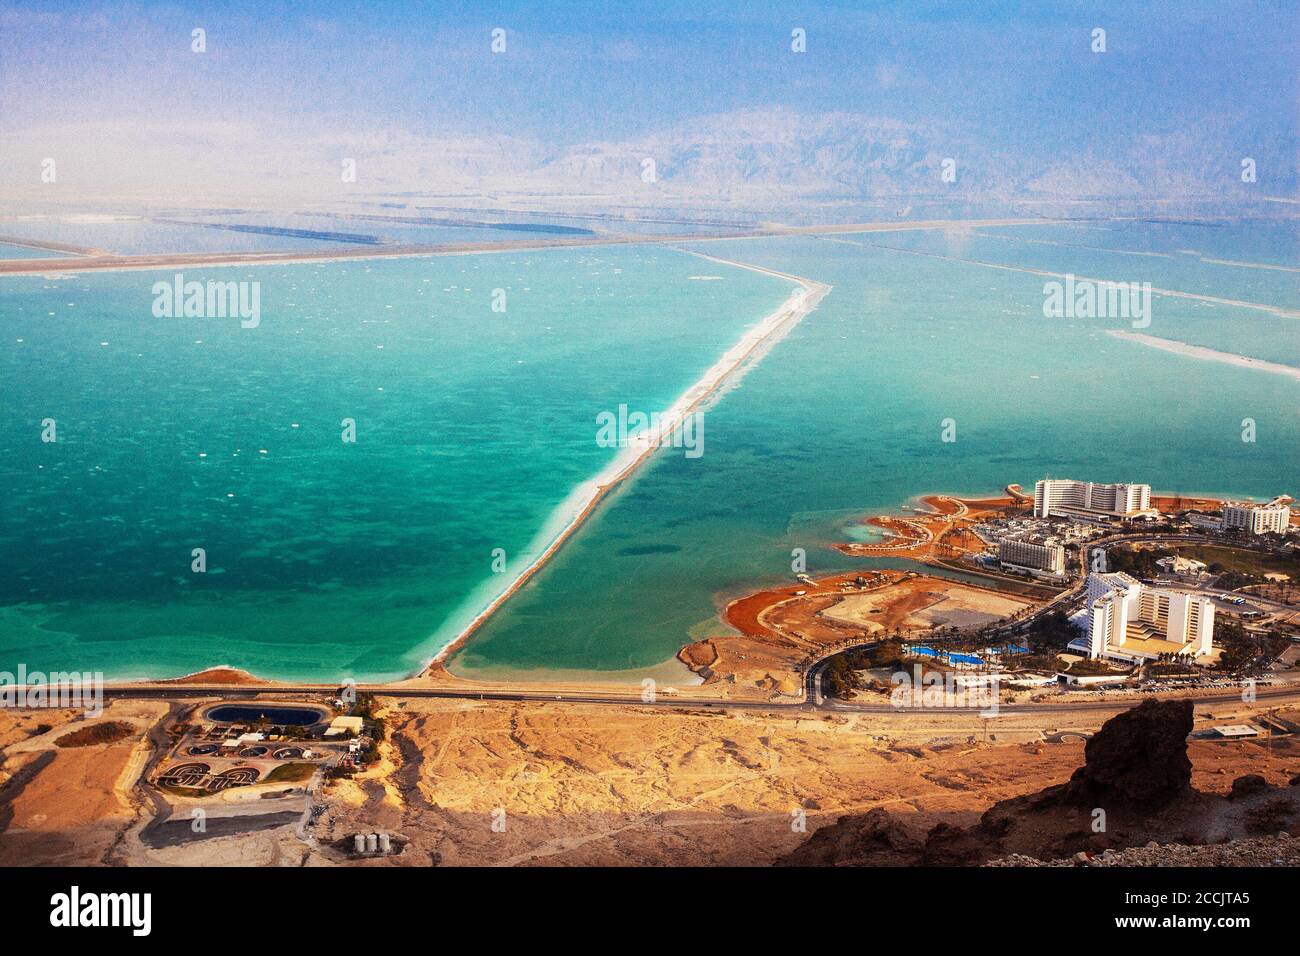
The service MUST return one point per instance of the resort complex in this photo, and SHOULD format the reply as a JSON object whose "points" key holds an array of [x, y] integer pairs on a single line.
{"points": [[1130, 621], [1271, 518], [1063, 497]]}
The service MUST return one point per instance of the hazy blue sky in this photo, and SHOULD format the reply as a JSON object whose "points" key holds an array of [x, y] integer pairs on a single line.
{"points": [[1020, 75], [575, 71]]}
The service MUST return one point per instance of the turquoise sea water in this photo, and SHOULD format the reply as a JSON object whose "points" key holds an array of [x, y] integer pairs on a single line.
{"points": [[1162, 261], [324, 559], [844, 417], [328, 560], [1074, 249], [1275, 242]]}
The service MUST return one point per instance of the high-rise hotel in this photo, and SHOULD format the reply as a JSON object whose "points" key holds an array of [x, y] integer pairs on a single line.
{"points": [[1065, 498], [1045, 558], [1131, 621], [1257, 519]]}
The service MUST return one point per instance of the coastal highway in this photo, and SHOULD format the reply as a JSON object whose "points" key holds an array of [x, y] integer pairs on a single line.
{"points": [[174, 692]]}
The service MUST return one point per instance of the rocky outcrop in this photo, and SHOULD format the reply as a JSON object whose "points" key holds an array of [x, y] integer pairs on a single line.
{"points": [[1249, 785], [1281, 850], [1134, 788], [876, 836], [1138, 760]]}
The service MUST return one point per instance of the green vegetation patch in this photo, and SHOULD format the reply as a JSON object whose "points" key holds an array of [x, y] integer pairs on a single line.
{"points": [[1094, 668], [182, 791], [290, 773], [105, 733], [1241, 561]]}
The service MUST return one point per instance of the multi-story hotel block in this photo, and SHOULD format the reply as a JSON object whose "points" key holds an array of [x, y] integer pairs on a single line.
{"points": [[1039, 558], [1256, 519], [1131, 621], [1067, 498]]}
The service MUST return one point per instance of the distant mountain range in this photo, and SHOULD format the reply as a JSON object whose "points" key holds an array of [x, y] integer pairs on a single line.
{"points": [[753, 154], [760, 158]]}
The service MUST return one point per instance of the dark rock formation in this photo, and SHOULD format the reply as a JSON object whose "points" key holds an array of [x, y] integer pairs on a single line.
{"points": [[1138, 760], [1134, 788], [875, 836], [1250, 784]]}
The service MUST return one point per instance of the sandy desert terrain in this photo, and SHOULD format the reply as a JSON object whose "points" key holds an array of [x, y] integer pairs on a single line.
{"points": [[494, 783]]}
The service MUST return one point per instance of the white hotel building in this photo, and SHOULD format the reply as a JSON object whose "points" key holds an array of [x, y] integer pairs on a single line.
{"points": [[1256, 519], [1130, 621], [1072, 499], [1045, 558]]}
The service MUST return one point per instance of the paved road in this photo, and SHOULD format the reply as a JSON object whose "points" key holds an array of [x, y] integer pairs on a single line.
{"points": [[156, 692]]}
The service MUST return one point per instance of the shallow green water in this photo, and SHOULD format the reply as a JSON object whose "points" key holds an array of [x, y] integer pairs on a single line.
{"points": [[328, 560]]}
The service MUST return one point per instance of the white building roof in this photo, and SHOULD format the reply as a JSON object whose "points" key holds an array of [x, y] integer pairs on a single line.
{"points": [[1236, 730], [344, 725]]}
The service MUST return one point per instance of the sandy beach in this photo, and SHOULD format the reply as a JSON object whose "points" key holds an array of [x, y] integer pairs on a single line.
{"points": [[1207, 355]]}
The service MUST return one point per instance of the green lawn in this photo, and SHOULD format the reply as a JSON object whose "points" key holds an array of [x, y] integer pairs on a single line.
{"points": [[290, 773], [1244, 562]]}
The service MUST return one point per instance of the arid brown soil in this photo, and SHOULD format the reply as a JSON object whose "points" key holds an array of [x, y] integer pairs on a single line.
{"points": [[1135, 786], [782, 629], [541, 783], [217, 675], [70, 805], [584, 785]]}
